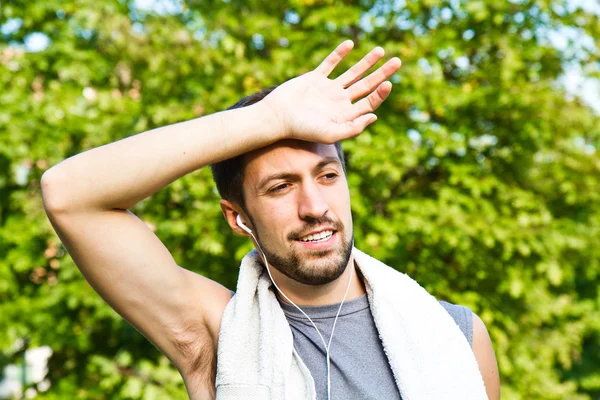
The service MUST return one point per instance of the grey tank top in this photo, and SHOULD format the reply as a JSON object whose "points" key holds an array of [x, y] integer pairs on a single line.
{"points": [[359, 367]]}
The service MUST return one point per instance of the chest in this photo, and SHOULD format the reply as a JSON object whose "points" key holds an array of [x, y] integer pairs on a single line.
{"points": [[359, 366]]}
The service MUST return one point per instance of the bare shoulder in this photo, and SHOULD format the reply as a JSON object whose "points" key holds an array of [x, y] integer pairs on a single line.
{"points": [[486, 358]]}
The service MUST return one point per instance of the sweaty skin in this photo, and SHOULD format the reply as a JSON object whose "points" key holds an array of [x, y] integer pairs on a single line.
{"points": [[87, 198]]}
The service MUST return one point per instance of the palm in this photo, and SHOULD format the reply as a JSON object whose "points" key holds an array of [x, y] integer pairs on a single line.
{"points": [[314, 108], [320, 105]]}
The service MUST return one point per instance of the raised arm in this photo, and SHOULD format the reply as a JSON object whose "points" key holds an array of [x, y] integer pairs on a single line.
{"points": [[87, 198]]}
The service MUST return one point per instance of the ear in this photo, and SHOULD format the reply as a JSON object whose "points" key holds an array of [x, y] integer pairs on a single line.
{"points": [[230, 212]]}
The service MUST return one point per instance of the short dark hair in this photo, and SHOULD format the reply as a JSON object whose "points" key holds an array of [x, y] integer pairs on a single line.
{"points": [[229, 174]]}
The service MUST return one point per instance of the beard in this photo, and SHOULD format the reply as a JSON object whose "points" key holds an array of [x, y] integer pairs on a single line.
{"points": [[321, 266]]}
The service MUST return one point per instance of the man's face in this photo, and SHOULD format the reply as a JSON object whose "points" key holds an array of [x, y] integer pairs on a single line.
{"points": [[298, 202]]}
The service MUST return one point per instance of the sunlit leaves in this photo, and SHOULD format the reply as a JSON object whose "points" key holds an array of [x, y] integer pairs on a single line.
{"points": [[480, 178]]}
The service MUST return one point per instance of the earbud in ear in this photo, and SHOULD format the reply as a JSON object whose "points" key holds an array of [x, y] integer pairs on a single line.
{"points": [[241, 225]]}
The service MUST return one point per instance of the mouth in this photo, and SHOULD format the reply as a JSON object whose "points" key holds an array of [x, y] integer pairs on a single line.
{"points": [[318, 241], [322, 236]]}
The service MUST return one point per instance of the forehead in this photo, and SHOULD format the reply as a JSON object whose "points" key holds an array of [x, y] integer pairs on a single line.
{"points": [[289, 156]]}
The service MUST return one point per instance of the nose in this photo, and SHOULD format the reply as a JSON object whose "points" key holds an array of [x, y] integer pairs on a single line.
{"points": [[312, 202]]}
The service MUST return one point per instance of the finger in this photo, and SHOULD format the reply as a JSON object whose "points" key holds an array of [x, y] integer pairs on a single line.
{"points": [[356, 127], [358, 69], [368, 84], [332, 60], [372, 101]]}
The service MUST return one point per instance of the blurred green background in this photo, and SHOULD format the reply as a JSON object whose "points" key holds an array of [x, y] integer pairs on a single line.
{"points": [[481, 178]]}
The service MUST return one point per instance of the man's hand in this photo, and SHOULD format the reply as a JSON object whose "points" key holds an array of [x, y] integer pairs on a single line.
{"points": [[314, 108]]}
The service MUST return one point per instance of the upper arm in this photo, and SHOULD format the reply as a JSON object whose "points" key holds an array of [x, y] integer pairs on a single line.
{"points": [[484, 353], [126, 263]]}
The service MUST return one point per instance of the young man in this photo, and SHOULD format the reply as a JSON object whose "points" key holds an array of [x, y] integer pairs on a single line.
{"points": [[279, 169]]}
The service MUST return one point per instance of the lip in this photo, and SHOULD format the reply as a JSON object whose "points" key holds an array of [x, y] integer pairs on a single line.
{"points": [[319, 245], [326, 228]]}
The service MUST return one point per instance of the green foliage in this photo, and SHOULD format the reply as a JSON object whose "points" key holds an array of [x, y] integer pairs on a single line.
{"points": [[481, 178]]}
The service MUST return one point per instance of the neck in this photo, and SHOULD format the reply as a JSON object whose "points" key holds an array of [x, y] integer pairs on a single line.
{"points": [[320, 295]]}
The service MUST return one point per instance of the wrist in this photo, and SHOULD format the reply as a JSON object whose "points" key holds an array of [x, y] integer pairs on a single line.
{"points": [[274, 122]]}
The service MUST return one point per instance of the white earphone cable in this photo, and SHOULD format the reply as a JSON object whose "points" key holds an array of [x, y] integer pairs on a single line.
{"points": [[327, 346]]}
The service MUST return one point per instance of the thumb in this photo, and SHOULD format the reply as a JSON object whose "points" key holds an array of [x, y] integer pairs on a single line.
{"points": [[358, 125]]}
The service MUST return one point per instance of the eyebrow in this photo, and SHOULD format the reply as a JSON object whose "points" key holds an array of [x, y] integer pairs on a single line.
{"points": [[325, 162], [294, 177]]}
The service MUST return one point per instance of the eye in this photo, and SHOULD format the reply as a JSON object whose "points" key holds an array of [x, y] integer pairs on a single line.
{"points": [[279, 188], [330, 176]]}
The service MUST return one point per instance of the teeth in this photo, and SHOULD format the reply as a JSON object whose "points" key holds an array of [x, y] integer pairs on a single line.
{"points": [[317, 236]]}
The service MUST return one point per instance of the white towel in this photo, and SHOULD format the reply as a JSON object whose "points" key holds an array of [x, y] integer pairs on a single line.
{"points": [[428, 354]]}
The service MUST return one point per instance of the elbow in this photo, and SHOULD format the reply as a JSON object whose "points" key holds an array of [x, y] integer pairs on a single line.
{"points": [[53, 192]]}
